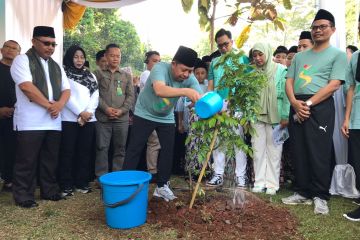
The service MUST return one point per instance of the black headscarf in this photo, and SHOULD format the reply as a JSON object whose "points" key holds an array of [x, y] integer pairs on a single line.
{"points": [[82, 76]]}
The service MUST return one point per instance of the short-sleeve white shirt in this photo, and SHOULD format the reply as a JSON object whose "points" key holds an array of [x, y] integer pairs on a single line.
{"points": [[29, 115], [143, 77]]}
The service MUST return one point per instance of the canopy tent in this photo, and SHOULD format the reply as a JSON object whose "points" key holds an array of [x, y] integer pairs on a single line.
{"points": [[18, 18], [74, 9]]}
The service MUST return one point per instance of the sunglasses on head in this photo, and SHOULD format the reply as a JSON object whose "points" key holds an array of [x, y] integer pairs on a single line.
{"points": [[46, 43]]}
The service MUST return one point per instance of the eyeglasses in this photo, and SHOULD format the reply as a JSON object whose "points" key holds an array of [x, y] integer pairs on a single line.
{"points": [[222, 45], [321, 27], [46, 43]]}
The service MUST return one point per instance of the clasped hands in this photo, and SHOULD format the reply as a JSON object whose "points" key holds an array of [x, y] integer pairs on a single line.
{"points": [[54, 108], [113, 113], [302, 110]]}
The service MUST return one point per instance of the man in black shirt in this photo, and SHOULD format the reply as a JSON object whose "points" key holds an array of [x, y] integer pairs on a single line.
{"points": [[9, 51]]}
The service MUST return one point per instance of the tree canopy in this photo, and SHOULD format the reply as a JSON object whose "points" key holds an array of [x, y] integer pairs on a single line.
{"points": [[98, 28]]}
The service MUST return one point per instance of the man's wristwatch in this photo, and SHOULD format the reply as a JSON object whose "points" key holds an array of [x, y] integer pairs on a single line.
{"points": [[308, 103]]}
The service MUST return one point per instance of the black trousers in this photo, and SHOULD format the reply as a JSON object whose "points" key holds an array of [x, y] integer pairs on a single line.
{"points": [[75, 154], [312, 148], [354, 153], [7, 149], [36, 151], [140, 133]]}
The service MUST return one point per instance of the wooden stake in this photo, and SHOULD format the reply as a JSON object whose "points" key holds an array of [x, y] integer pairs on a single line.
{"points": [[204, 167]]}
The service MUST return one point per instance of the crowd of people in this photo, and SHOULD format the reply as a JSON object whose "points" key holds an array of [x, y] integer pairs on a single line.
{"points": [[63, 125]]}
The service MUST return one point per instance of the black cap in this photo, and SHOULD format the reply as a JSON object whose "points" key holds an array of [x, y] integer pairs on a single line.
{"points": [[322, 14], [43, 31], [293, 49], [206, 58], [280, 49], [186, 56], [100, 54], [200, 64], [215, 54], [352, 48], [305, 35]]}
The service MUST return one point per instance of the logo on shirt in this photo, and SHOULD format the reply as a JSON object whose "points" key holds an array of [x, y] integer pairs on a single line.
{"points": [[163, 104], [305, 76]]}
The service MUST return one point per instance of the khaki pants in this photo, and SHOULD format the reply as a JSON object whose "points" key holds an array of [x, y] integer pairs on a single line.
{"points": [[105, 131], [152, 152]]}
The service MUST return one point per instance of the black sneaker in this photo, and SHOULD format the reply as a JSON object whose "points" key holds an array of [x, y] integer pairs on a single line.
{"points": [[356, 201], [27, 204], [7, 187], [56, 197], [67, 192], [84, 190], [353, 216]]}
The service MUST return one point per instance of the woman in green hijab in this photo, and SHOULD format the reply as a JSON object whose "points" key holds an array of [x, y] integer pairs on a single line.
{"points": [[274, 111]]}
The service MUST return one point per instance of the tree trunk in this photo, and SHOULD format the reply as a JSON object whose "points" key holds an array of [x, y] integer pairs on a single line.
{"points": [[212, 26]]}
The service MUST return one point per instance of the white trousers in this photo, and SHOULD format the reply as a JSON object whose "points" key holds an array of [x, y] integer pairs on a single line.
{"points": [[240, 160], [267, 157]]}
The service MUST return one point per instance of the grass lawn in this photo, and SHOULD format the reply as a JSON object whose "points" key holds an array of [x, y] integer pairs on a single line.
{"points": [[82, 217], [315, 227]]}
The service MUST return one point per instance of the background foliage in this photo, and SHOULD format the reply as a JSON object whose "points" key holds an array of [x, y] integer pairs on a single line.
{"points": [[99, 27]]}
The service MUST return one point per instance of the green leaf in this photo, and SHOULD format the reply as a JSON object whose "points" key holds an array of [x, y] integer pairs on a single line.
{"points": [[287, 4], [187, 5], [212, 122], [279, 24]]}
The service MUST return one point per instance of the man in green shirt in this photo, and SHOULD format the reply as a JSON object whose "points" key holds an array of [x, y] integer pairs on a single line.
{"points": [[351, 124], [225, 45], [154, 110], [313, 77]]}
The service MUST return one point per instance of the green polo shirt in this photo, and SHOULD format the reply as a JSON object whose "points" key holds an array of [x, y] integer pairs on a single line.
{"points": [[351, 81], [158, 109], [312, 71], [216, 73]]}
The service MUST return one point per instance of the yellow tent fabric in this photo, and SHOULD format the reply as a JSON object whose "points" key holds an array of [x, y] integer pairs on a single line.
{"points": [[73, 12]]}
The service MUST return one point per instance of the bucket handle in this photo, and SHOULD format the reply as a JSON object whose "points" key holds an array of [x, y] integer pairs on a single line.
{"points": [[125, 201]]}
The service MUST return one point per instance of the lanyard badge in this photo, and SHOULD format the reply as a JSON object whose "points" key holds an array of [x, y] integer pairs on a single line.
{"points": [[119, 89]]}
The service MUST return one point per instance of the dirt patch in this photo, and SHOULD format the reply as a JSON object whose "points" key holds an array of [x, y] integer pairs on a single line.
{"points": [[222, 216]]}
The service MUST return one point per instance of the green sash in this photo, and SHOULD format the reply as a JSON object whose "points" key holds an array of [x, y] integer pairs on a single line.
{"points": [[38, 74]]}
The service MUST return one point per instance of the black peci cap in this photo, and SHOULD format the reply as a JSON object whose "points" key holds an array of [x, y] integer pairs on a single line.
{"points": [[200, 64], [293, 49], [43, 31], [325, 15], [305, 35], [186, 56]]}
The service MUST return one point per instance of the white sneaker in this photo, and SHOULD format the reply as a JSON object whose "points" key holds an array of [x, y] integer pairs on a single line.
{"points": [[164, 192], [240, 182], [257, 189], [270, 191], [321, 206], [296, 199], [216, 181]]}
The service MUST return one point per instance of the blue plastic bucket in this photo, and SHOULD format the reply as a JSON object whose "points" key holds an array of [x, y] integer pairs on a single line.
{"points": [[208, 105], [125, 196]]}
